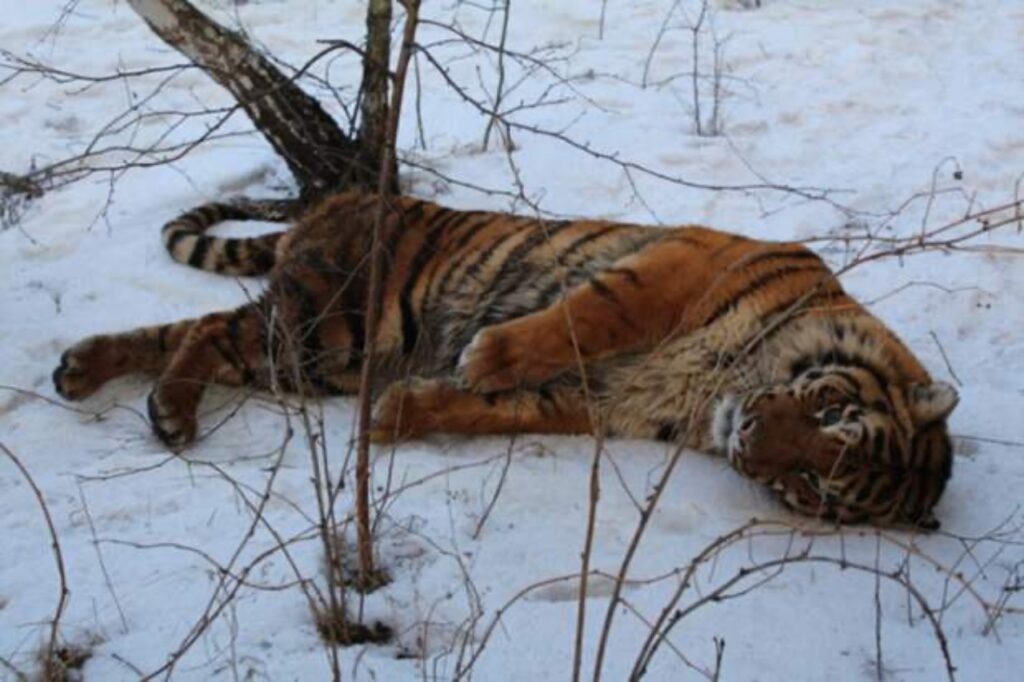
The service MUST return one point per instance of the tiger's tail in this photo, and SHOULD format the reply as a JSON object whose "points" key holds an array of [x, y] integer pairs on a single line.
{"points": [[186, 241]]}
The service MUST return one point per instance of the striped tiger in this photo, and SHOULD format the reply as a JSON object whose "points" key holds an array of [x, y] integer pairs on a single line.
{"points": [[494, 323]]}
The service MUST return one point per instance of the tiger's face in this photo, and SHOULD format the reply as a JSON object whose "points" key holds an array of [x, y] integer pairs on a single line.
{"points": [[840, 443]]}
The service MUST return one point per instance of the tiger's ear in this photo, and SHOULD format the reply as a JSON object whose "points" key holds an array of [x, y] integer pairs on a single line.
{"points": [[931, 402]]}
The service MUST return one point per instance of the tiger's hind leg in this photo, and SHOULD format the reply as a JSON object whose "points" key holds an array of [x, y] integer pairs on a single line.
{"points": [[422, 406], [89, 364], [221, 348], [231, 348]]}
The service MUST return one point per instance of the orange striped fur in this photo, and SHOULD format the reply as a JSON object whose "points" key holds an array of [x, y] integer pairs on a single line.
{"points": [[496, 323]]}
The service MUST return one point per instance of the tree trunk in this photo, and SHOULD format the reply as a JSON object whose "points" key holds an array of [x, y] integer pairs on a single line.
{"points": [[320, 156], [373, 126]]}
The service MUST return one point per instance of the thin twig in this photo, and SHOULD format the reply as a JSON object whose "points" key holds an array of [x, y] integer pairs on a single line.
{"points": [[58, 556]]}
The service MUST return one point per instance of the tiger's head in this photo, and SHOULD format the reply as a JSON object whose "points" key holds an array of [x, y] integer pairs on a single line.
{"points": [[841, 443]]}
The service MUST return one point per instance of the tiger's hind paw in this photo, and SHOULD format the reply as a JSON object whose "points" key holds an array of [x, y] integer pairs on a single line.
{"points": [[174, 427]]}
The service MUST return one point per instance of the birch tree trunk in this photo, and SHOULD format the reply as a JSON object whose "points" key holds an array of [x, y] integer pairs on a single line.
{"points": [[320, 156], [373, 129]]}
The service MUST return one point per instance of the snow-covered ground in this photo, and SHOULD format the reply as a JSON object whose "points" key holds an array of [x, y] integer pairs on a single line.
{"points": [[878, 100]]}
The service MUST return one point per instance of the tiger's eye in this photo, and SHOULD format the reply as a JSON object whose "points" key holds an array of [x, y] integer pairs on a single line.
{"points": [[831, 415]]}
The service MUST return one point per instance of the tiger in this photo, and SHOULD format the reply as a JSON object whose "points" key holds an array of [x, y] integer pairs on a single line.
{"points": [[496, 323]]}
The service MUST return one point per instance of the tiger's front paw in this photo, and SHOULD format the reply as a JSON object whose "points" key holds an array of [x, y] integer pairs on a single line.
{"points": [[496, 360], [172, 422], [81, 372]]}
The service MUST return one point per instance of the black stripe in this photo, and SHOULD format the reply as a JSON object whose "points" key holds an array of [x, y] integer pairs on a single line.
{"points": [[464, 239], [195, 259], [228, 356], [835, 356], [922, 453], [730, 241], [521, 251], [512, 264], [482, 257], [463, 219], [756, 284], [572, 247], [854, 385], [865, 490], [946, 455], [173, 226], [410, 327], [549, 292], [779, 253], [878, 447], [603, 290], [230, 252], [207, 214], [683, 239], [895, 457], [547, 296], [233, 212], [882, 488], [783, 307], [511, 275], [437, 284], [881, 406], [411, 215], [176, 237], [910, 497], [262, 253]]}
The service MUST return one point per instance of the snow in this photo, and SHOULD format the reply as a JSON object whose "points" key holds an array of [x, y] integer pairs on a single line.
{"points": [[880, 101]]}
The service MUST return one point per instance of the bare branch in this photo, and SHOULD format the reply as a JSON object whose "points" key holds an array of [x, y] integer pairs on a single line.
{"points": [[54, 640]]}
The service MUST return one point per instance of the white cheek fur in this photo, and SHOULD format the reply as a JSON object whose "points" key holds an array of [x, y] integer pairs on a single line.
{"points": [[723, 422]]}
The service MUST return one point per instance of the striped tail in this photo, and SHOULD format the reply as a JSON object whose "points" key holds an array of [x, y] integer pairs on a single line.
{"points": [[185, 240]]}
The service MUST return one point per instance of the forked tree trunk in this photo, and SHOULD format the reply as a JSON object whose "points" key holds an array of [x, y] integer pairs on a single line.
{"points": [[322, 159], [320, 156]]}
